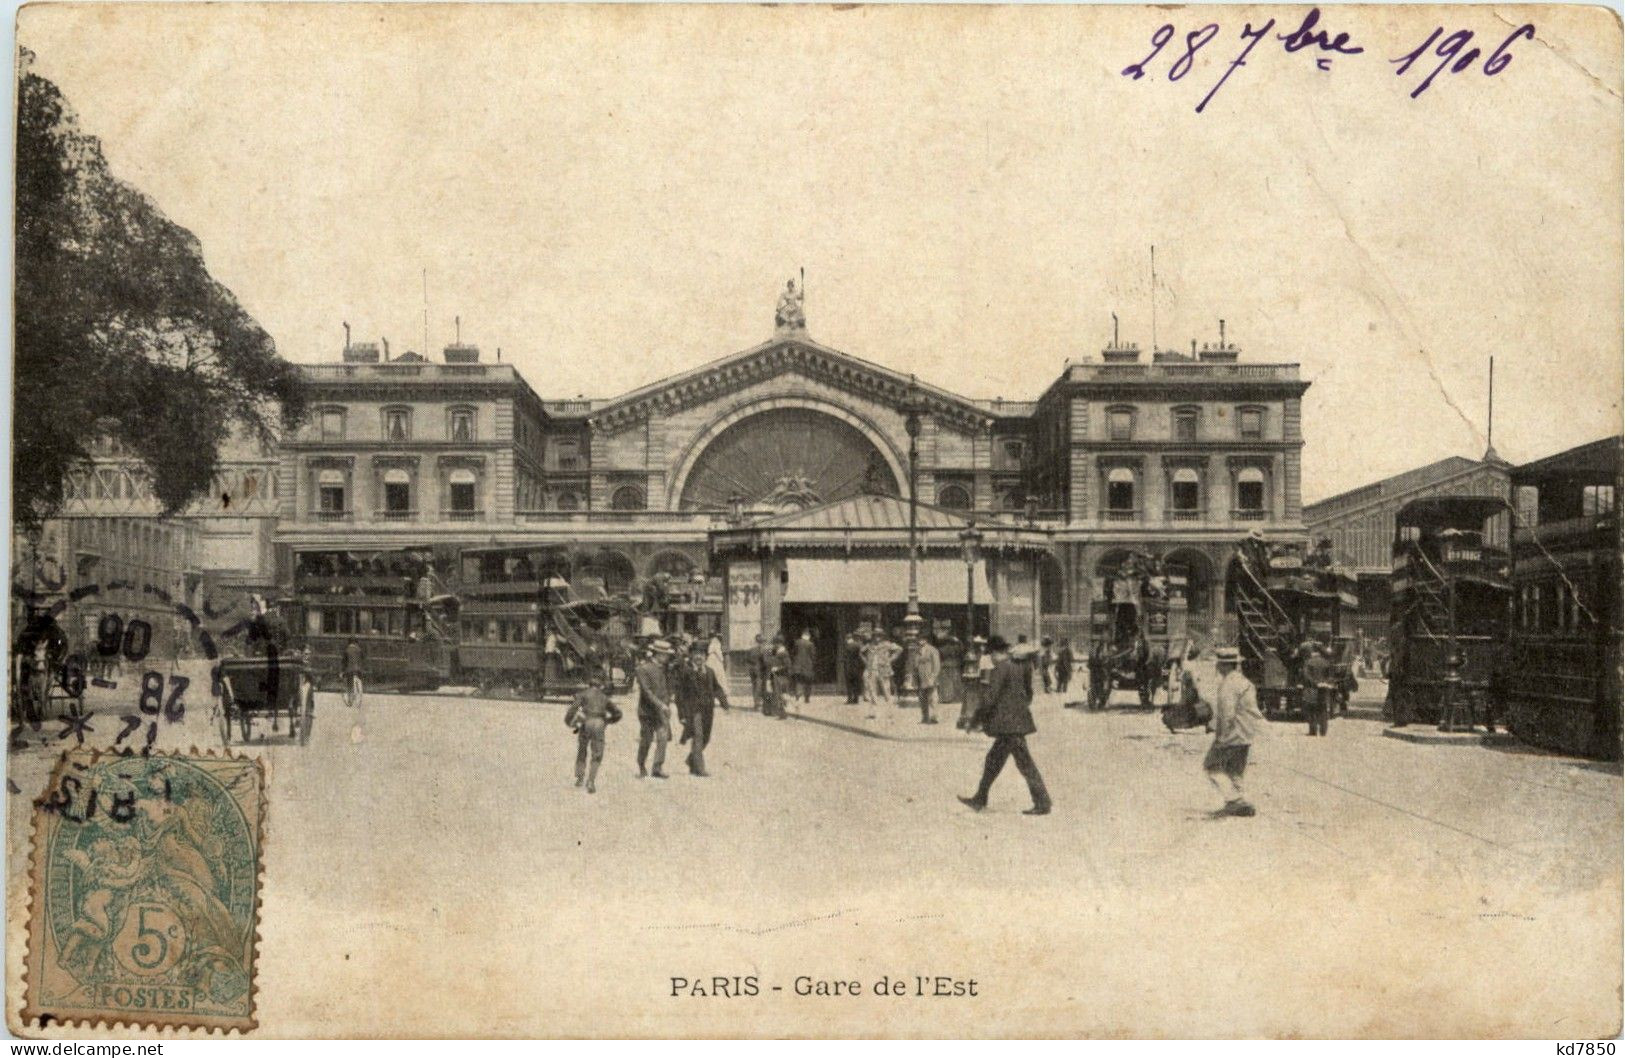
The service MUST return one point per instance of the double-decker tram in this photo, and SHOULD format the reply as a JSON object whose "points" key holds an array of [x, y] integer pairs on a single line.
{"points": [[1562, 675], [1448, 608], [526, 631], [1285, 595], [393, 603]]}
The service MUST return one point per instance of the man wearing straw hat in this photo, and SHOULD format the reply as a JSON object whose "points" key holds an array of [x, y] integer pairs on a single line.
{"points": [[1236, 722]]}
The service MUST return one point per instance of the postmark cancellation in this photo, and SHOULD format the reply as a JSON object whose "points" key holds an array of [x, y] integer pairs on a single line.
{"points": [[144, 891]]}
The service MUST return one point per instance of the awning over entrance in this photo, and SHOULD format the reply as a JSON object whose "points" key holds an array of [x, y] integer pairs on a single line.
{"points": [[881, 580]]}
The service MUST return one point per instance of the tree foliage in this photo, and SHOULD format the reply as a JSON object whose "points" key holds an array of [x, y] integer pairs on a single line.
{"points": [[120, 329]]}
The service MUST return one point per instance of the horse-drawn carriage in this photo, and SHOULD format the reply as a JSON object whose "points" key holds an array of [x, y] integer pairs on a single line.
{"points": [[1140, 617], [266, 689]]}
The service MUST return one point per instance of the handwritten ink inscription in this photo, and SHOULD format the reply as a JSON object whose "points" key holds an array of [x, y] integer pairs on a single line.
{"points": [[1455, 51]]}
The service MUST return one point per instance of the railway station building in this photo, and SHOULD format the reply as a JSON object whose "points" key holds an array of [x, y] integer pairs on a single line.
{"points": [[772, 485]]}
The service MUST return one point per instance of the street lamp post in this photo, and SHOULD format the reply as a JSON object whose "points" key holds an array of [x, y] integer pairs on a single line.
{"points": [[911, 423], [970, 542]]}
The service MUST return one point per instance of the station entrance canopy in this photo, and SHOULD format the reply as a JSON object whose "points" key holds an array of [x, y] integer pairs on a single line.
{"points": [[880, 580]]}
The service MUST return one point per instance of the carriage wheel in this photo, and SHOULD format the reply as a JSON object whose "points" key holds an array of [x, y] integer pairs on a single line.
{"points": [[309, 717]]}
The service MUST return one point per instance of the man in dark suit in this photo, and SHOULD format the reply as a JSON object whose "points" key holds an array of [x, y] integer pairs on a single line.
{"points": [[852, 669], [654, 707], [698, 694], [1006, 714]]}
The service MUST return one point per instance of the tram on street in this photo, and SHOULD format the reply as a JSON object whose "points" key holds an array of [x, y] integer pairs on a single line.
{"points": [[1448, 609], [1562, 677], [393, 603], [524, 630], [1284, 595]]}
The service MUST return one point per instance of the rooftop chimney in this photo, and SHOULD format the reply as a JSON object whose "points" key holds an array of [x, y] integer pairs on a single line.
{"points": [[1223, 353], [458, 353], [1118, 351]]}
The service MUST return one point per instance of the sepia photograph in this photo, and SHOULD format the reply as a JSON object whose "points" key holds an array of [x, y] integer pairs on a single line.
{"points": [[699, 521]]}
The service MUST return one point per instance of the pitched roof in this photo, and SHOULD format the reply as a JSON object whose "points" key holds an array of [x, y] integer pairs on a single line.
{"points": [[778, 354]]}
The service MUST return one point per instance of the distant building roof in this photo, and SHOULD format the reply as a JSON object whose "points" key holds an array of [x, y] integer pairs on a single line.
{"points": [[1390, 487]]}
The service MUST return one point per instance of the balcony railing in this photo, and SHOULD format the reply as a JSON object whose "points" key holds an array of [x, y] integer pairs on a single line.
{"points": [[1114, 514], [465, 516], [1249, 514], [332, 516], [1179, 515], [395, 515], [1152, 372]]}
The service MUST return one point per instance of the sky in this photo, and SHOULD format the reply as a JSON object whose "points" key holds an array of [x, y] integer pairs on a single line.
{"points": [[615, 194]]}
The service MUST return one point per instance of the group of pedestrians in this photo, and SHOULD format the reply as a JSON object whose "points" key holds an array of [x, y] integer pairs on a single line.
{"points": [[775, 671], [1003, 711], [665, 682], [998, 681]]}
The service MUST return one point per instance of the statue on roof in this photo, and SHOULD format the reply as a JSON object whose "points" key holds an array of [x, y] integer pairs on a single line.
{"points": [[788, 316]]}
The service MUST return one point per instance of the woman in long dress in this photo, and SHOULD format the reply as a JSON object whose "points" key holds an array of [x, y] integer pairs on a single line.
{"points": [[715, 661]]}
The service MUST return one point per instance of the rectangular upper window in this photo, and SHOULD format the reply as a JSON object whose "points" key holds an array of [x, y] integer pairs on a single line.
{"points": [[1185, 424], [462, 424], [1120, 422], [397, 424], [332, 424], [1252, 423]]}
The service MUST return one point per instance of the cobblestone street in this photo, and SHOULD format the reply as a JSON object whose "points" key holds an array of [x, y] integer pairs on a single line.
{"points": [[420, 831]]}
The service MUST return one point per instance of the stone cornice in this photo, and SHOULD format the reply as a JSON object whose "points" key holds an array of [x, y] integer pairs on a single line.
{"points": [[411, 390], [1192, 390]]}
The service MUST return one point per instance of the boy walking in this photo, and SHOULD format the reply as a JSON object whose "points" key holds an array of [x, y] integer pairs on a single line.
{"points": [[1236, 722], [589, 715]]}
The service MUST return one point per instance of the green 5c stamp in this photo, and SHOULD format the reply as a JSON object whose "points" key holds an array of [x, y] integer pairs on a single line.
{"points": [[145, 891]]}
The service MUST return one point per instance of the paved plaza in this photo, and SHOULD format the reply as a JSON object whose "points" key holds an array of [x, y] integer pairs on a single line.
{"points": [[438, 843]]}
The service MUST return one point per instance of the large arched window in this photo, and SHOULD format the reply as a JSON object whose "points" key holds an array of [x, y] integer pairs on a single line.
{"points": [[954, 497], [627, 498], [569, 501], [786, 459]]}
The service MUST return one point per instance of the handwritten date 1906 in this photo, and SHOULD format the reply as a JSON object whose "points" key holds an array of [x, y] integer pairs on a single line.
{"points": [[1453, 50]]}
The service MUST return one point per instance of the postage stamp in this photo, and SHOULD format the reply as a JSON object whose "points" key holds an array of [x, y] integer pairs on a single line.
{"points": [[144, 891]]}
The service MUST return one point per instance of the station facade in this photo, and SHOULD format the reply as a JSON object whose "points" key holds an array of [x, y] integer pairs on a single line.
{"points": [[771, 485], [776, 479]]}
